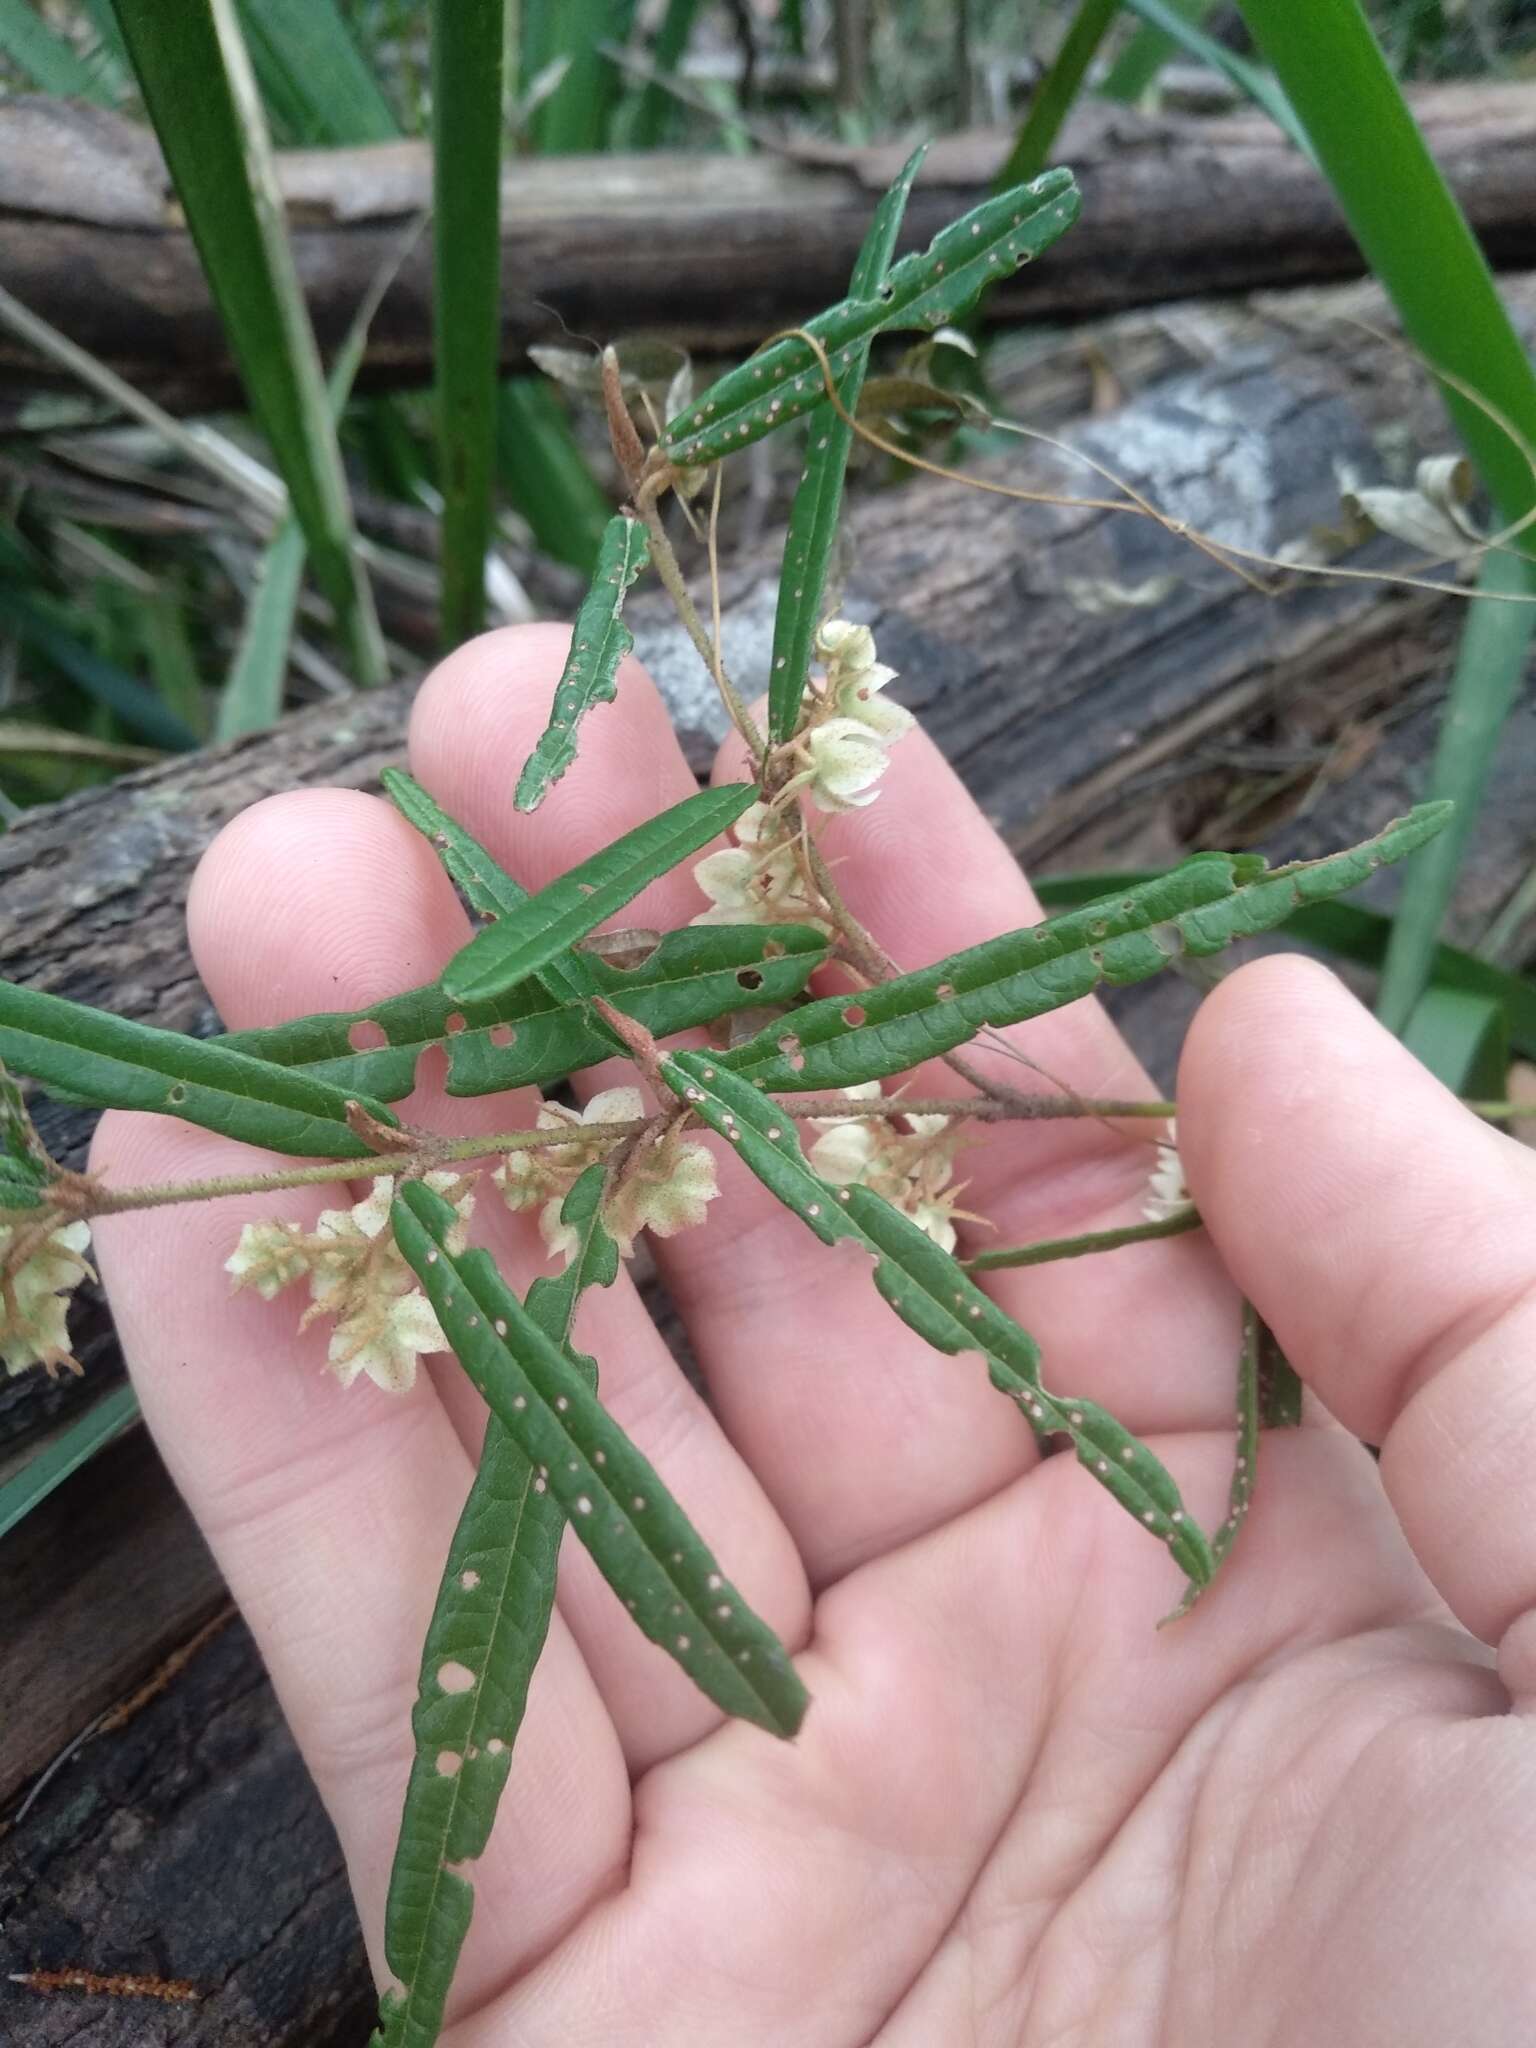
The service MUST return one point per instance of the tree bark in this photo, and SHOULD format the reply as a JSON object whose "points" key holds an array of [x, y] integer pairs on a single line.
{"points": [[715, 251], [188, 1842]]}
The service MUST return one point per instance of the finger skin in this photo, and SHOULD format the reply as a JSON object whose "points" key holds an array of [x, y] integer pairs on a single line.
{"points": [[1389, 1238]]}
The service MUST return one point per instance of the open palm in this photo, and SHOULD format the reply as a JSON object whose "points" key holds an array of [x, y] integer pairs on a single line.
{"points": [[1017, 1812]]}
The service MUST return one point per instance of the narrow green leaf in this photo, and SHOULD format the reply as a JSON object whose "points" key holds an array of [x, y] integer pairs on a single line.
{"points": [[196, 80], [1253, 79], [1354, 934], [1280, 1390], [1050, 1249], [1135, 69], [639, 1537], [65, 1453], [115, 1063], [1463, 1039], [532, 1033], [541, 928], [1053, 97], [1200, 907], [488, 1628], [162, 627], [122, 694], [654, 113], [574, 118], [599, 643], [927, 289], [1245, 1458], [49, 61], [818, 500], [468, 43], [308, 64], [933, 1295]]}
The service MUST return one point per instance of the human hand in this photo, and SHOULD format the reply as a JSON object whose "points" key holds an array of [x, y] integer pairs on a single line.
{"points": [[1016, 1813]]}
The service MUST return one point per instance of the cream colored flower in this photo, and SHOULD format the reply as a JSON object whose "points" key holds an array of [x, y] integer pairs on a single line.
{"points": [[268, 1257], [34, 1300], [758, 881], [665, 1188], [846, 760], [843, 645], [843, 1154], [1167, 1191], [383, 1337], [535, 1176]]}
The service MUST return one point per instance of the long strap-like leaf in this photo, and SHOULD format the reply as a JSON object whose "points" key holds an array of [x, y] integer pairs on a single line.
{"points": [[935, 1296], [640, 1539], [111, 1062], [487, 1631], [818, 500], [527, 939], [1198, 908], [599, 642], [923, 290]]}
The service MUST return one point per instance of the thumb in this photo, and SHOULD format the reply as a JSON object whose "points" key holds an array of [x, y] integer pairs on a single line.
{"points": [[1389, 1239]]}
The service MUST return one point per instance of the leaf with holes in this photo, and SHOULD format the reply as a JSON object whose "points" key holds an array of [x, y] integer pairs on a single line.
{"points": [[639, 1537], [1199, 907], [540, 929], [111, 1062], [934, 1295], [24, 1165], [818, 497], [526, 1035], [487, 1631], [599, 643], [927, 290]]}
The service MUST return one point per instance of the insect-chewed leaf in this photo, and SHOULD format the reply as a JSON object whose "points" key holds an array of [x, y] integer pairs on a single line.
{"points": [[1199, 907], [599, 643], [525, 940], [933, 1295], [640, 1538], [24, 1168], [487, 1631], [1245, 1457], [526, 1035], [114, 1063], [923, 290], [819, 494]]}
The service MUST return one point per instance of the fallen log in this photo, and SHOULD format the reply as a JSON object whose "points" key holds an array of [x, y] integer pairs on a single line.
{"points": [[716, 251], [187, 1842]]}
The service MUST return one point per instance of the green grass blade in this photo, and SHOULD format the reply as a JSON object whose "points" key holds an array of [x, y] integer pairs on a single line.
{"points": [[488, 1628], [48, 60], [638, 1536], [527, 1036], [933, 1295], [306, 62], [545, 474], [1490, 671], [653, 116], [1252, 79], [540, 929], [1464, 1041], [1133, 72], [65, 1453], [575, 116], [818, 500], [139, 708], [162, 625], [115, 1063], [1199, 908], [599, 643], [1056, 93], [196, 80], [468, 46], [925, 290]]}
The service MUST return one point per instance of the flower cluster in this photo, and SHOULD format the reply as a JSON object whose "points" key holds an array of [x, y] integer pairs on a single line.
{"points": [[358, 1275], [664, 1185], [34, 1295], [912, 1167], [763, 879], [845, 724]]}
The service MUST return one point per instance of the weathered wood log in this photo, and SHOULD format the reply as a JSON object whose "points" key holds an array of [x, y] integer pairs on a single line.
{"points": [[716, 251], [188, 1842]]}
